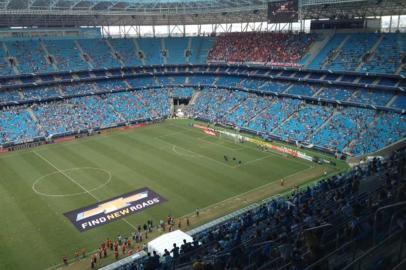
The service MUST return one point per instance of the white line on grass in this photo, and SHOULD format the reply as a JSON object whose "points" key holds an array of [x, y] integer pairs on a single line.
{"points": [[253, 161], [39, 179], [197, 154], [75, 182], [217, 203], [172, 134], [181, 154], [66, 175], [219, 144], [251, 190], [272, 152]]}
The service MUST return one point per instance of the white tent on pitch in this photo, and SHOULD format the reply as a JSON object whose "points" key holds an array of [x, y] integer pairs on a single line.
{"points": [[167, 240]]}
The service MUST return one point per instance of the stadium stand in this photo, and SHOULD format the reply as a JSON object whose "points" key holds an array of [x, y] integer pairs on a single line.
{"points": [[66, 53], [340, 92], [200, 47], [332, 128], [364, 52], [40, 93], [176, 50], [337, 91], [17, 125], [151, 50], [386, 58], [182, 93], [5, 67], [338, 129], [310, 228], [100, 54], [348, 55], [29, 55], [126, 51], [261, 47]]}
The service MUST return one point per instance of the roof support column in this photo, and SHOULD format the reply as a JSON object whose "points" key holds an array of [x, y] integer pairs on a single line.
{"points": [[199, 30], [390, 24], [397, 28]]}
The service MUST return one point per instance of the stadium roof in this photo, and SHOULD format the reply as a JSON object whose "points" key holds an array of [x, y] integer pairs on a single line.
{"points": [[163, 12]]}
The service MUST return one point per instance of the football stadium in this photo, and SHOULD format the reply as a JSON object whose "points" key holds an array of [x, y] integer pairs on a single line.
{"points": [[203, 134]]}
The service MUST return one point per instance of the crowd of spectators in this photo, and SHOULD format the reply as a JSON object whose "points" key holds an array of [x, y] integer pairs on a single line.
{"points": [[21, 123], [214, 104], [303, 228], [16, 125], [247, 110], [358, 52], [73, 115], [182, 93], [350, 130], [261, 47], [270, 118], [338, 129], [380, 53], [304, 122]]}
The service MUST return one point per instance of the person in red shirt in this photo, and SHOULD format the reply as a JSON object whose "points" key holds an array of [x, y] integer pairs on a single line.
{"points": [[115, 246], [116, 254], [100, 252], [123, 248], [104, 252]]}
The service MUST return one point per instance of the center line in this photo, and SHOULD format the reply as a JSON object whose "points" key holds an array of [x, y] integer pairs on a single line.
{"points": [[75, 182]]}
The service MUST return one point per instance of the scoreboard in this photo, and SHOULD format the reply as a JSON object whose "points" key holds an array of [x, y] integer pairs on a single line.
{"points": [[283, 11]]}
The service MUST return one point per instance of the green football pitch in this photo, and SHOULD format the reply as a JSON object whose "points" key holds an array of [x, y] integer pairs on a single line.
{"points": [[181, 163]]}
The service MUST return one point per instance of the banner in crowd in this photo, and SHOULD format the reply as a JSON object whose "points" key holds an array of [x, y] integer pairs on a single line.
{"points": [[114, 209]]}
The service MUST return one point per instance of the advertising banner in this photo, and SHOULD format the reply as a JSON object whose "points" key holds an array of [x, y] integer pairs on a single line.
{"points": [[114, 209]]}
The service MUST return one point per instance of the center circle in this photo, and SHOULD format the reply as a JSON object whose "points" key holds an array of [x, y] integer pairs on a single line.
{"points": [[37, 182]]}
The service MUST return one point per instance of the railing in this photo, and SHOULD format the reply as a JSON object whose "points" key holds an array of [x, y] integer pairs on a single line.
{"points": [[394, 205], [392, 247], [349, 248]]}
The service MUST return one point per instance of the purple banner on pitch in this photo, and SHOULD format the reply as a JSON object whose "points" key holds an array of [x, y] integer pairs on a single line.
{"points": [[114, 209]]}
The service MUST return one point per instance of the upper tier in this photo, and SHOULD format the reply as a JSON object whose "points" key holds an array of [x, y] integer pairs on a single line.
{"points": [[361, 52]]}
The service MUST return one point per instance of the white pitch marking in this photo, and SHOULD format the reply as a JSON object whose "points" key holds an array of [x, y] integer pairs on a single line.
{"points": [[181, 154], [197, 154], [75, 182], [253, 161], [39, 179]]}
